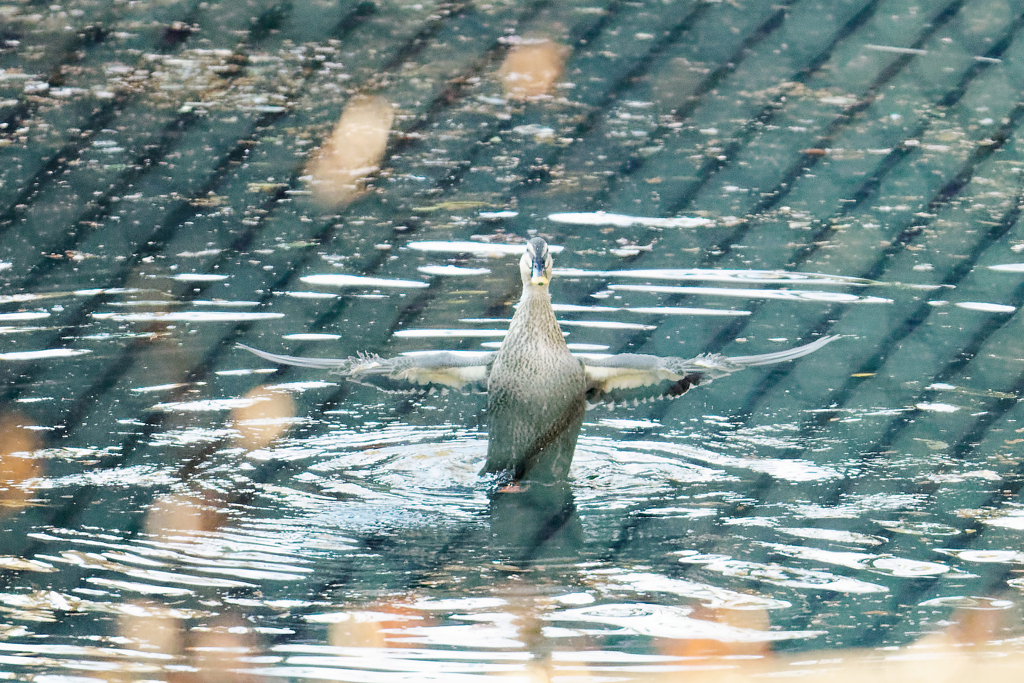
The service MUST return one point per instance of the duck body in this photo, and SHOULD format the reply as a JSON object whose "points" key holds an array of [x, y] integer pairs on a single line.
{"points": [[535, 388]]}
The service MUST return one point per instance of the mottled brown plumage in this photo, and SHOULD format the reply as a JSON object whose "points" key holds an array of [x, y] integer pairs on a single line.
{"points": [[536, 388]]}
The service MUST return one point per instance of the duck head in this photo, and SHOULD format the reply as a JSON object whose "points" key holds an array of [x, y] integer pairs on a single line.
{"points": [[535, 266]]}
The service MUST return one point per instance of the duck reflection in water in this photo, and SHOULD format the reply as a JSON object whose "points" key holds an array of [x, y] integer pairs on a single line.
{"points": [[538, 390]]}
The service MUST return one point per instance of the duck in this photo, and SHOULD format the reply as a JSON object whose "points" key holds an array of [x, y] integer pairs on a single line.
{"points": [[538, 390]]}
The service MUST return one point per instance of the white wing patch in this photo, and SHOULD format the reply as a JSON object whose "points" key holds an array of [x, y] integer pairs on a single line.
{"points": [[610, 378], [454, 377]]}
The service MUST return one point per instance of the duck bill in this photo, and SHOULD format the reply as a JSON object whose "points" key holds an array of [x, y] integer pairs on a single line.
{"points": [[538, 274]]}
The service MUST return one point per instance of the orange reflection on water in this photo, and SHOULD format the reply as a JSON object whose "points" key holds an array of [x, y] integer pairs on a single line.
{"points": [[263, 420], [149, 631], [531, 70], [352, 152], [372, 626], [918, 663], [220, 653], [751, 619], [989, 620], [973, 647], [186, 514], [18, 466]]}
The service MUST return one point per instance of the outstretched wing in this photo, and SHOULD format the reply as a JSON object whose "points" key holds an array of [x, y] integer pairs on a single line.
{"points": [[610, 377], [455, 369]]}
